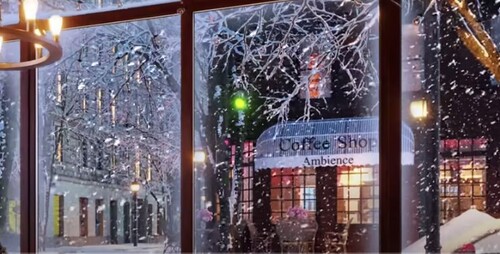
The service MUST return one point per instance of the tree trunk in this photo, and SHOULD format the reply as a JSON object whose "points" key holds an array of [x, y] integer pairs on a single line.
{"points": [[49, 178]]}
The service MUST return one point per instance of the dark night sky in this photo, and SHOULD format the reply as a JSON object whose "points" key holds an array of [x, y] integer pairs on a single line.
{"points": [[469, 101]]}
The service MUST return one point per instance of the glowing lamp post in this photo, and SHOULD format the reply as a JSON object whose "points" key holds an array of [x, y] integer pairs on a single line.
{"points": [[134, 187], [418, 109], [427, 136]]}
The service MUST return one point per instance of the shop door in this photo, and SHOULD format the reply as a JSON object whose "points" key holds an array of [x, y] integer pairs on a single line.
{"points": [[150, 219], [126, 222], [113, 215], [84, 224], [142, 219], [99, 217]]}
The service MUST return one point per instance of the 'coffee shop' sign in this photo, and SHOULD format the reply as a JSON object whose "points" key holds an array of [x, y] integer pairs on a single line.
{"points": [[328, 150], [341, 142]]}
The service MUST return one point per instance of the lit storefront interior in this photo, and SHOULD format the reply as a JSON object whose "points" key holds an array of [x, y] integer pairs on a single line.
{"points": [[267, 188], [463, 172], [328, 168]]}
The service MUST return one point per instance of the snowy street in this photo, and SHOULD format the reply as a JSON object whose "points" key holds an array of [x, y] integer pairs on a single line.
{"points": [[110, 248]]}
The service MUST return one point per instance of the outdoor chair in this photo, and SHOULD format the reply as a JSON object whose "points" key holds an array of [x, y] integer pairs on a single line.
{"points": [[337, 241], [297, 235], [260, 242]]}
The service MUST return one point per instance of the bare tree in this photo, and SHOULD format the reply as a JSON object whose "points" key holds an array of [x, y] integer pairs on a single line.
{"points": [[114, 97]]}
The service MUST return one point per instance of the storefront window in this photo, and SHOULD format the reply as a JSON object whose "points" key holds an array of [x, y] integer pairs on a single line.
{"points": [[462, 177], [450, 59], [286, 118], [108, 140]]}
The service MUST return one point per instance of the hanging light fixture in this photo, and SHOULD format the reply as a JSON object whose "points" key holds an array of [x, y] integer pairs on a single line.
{"points": [[30, 34]]}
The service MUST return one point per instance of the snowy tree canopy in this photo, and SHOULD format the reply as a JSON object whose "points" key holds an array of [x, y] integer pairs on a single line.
{"points": [[264, 38]]}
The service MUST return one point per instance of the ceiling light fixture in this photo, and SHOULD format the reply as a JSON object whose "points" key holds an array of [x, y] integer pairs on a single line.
{"points": [[52, 47]]}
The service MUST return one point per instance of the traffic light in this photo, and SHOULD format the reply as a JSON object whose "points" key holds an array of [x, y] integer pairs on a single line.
{"points": [[239, 101]]}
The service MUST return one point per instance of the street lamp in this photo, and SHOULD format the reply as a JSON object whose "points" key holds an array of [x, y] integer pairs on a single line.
{"points": [[134, 187], [427, 136], [418, 109]]}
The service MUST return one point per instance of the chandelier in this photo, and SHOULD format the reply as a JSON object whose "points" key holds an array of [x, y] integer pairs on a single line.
{"points": [[47, 50]]}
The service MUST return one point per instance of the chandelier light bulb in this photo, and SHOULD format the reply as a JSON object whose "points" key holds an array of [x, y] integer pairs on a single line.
{"points": [[38, 33], [30, 7], [55, 23]]}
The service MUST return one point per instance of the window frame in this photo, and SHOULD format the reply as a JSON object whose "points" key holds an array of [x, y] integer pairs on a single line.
{"points": [[390, 113]]}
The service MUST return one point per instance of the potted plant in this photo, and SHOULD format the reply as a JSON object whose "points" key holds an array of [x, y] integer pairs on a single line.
{"points": [[205, 216]]}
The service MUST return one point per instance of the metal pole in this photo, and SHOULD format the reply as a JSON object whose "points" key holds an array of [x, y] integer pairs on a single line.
{"points": [[134, 218], [431, 130]]}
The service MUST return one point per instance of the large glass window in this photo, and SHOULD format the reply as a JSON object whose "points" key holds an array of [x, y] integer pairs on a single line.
{"points": [[286, 95], [451, 102], [109, 148], [9, 151], [81, 7]]}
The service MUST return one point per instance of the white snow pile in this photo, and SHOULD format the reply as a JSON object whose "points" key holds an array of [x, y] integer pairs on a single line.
{"points": [[469, 227]]}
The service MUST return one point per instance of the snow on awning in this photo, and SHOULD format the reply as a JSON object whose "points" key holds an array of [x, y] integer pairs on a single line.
{"points": [[331, 142]]}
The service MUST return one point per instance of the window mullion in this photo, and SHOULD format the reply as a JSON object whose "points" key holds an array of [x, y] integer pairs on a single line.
{"points": [[390, 126]]}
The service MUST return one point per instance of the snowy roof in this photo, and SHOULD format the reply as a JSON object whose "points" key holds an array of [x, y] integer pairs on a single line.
{"points": [[355, 138]]}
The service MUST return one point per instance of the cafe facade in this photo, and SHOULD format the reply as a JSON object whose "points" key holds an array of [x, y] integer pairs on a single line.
{"points": [[328, 167]]}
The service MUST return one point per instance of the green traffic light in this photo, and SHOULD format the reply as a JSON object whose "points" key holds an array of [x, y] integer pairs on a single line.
{"points": [[240, 103]]}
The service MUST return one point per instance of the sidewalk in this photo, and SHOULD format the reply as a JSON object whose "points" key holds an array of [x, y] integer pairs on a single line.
{"points": [[108, 248]]}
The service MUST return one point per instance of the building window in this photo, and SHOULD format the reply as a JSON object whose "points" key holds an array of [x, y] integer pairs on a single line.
{"points": [[59, 153], [58, 215], [462, 176], [99, 101], [357, 195], [85, 155], [84, 103], [84, 218], [137, 166], [308, 195], [247, 180], [148, 173], [99, 217], [100, 155], [113, 157], [287, 190], [59, 84], [113, 110]]}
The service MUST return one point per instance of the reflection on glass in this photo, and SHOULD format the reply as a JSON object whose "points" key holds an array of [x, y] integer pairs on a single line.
{"points": [[9, 151], [286, 114], [80, 7], [109, 141]]}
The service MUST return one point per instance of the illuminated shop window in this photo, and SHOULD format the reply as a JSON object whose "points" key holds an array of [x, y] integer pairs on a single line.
{"points": [[357, 194], [308, 195], [247, 180], [462, 176]]}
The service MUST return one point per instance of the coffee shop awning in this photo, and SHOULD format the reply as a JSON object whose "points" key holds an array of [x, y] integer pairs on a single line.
{"points": [[331, 142]]}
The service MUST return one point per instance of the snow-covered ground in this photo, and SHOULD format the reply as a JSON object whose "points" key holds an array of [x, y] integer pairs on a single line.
{"points": [[109, 248]]}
